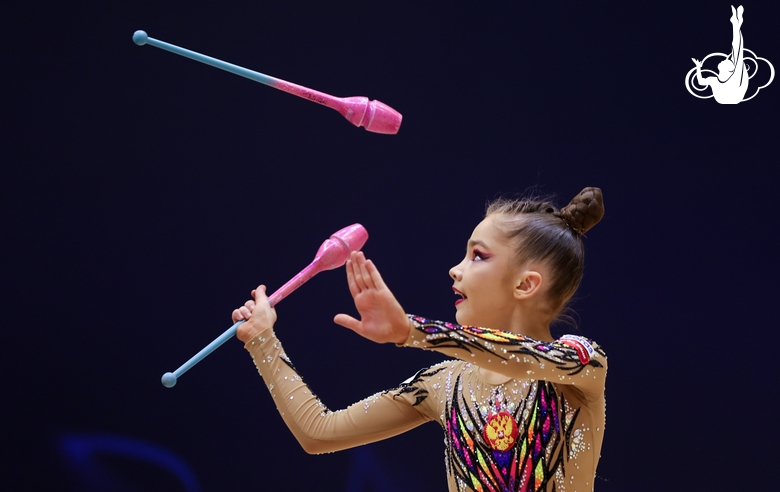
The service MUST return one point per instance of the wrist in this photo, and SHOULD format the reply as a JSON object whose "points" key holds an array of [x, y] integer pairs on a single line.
{"points": [[404, 335], [248, 331]]}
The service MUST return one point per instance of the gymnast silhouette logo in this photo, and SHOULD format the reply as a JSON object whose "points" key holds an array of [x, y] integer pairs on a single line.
{"points": [[730, 84]]}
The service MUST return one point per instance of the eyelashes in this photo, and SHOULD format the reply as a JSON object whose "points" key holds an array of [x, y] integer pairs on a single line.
{"points": [[477, 255]]}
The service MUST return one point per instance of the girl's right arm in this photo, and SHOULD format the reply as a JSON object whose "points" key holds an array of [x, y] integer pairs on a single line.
{"points": [[318, 429], [571, 360]]}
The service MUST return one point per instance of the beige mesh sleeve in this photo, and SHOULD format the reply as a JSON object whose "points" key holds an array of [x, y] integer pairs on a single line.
{"points": [[318, 429]]}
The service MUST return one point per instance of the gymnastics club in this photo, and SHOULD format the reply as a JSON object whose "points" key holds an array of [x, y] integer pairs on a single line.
{"points": [[375, 116], [333, 253]]}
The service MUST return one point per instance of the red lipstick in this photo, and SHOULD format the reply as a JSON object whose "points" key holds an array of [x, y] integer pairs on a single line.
{"points": [[463, 296]]}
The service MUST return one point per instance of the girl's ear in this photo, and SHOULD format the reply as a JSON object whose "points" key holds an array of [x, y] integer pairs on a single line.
{"points": [[528, 284]]}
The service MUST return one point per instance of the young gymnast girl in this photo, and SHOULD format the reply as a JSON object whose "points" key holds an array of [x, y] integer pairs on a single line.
{"points": [[521, 411]]}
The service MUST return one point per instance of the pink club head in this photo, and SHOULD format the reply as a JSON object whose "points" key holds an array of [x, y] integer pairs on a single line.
{"points": [[375, 116], [334, 252]]}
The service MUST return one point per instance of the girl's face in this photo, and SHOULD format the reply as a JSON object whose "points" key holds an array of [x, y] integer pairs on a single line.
{"points": [[484, 280]]}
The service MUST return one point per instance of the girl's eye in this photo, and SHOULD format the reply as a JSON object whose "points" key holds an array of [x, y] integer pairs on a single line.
{"points": [[477, 255]]}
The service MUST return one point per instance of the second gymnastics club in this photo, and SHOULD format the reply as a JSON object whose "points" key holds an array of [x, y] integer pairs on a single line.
{"points": [[333, 253], [375, 116]]}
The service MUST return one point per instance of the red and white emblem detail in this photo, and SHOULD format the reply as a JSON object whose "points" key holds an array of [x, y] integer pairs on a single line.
{"points": [[584, 349]]}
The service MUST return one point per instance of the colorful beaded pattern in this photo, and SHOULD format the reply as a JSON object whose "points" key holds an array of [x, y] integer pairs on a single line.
{"points": [[506, 443], [472, 338]]}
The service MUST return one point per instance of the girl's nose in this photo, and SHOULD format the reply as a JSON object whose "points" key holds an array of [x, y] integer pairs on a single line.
{"points": [[455, 272]]}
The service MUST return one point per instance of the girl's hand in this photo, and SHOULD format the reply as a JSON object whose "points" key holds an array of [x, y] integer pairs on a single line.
{"points": [[261, 316], [245, 311], [382, 319], [696, 62]]}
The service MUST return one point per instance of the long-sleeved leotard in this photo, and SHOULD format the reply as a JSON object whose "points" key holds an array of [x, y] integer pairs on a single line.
{"points": [[536, 426]]}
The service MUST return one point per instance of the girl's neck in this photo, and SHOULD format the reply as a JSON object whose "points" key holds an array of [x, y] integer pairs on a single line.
{"points": [[541, 333], [531, 323]]}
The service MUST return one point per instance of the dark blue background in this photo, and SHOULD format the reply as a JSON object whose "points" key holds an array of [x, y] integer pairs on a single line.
{"points": [[144, 195]]}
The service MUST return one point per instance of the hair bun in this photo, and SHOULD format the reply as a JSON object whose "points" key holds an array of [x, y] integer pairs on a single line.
{"points": [[584, 211]]}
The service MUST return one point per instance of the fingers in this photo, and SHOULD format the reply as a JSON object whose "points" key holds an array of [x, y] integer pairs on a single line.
{"points": [[357, 272], [353, 287], [261, 307], [259, 315], [362, 269], [362, 274], [245, 311], [347, 321], [366, 277], [259, 294], [376, 278]]}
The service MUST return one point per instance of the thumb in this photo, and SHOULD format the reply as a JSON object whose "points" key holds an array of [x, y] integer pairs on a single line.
{"points": [[259, 293], [347, 321]]}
